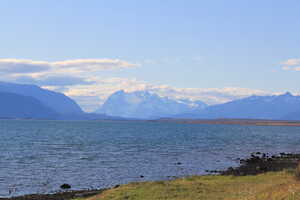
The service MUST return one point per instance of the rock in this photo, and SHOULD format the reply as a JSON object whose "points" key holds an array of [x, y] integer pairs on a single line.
{"points": [[116, 186], [65, 186], [261, 163]]}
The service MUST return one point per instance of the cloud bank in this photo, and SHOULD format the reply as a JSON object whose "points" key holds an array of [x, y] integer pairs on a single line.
{"points": [[97, 93], [81, 79], [291, 64], [16, 67]]}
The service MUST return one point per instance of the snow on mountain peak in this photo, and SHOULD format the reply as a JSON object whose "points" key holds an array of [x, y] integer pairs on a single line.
{"points": [[145, 105]]}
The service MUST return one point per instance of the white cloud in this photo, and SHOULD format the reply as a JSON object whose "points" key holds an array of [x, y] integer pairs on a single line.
{"points": [[35, 68], [208, 95], [291, 64], [90, 65], [77, 79], [94, 64], [53, 80], [91, 96], [88, 103], [17, 66]]}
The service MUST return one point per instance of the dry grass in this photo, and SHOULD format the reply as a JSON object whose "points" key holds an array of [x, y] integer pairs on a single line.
{"points": [[270, 186]]}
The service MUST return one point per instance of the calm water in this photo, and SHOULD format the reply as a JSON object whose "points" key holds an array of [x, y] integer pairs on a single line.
{"points": [[39, 156]]}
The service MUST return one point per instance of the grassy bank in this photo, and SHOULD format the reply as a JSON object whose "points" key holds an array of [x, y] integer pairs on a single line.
{"points": [[259, 177], [269, 186]]}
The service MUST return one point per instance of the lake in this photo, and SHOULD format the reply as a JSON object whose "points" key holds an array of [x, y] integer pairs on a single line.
{"points": [[39, 156]]}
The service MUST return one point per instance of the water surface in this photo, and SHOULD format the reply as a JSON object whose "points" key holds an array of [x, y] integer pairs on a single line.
{"points": [[39, 156]]}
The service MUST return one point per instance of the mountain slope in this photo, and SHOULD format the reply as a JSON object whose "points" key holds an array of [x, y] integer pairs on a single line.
{"points": [[145, 105], [54, 100], [292, 116], [18, 106], [254, 107]]}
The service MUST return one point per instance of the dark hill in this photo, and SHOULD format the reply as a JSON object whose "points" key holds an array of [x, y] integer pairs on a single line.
{"points": [[18, 106], [58, 102]]}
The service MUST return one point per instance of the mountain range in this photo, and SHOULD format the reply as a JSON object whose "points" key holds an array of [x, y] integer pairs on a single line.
{"points": [[30, 101], [275, 107], [19, 106], [59, 102], [146, 105]]}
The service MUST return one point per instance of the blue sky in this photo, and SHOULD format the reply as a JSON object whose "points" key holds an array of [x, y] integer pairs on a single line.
{"points": [[174, 44]]}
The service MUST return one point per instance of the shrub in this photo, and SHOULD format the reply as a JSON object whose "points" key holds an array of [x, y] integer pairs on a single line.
{"points": [[297, 172]]}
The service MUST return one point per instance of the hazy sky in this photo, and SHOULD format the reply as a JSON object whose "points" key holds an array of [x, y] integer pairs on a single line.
{"points": [[209, 50]]}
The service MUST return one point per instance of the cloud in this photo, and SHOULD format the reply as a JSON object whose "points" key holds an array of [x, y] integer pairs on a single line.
{"points": [[94, 64], [15, 66], [53, 80], [91, 96], [291, 64], [208, 95], [19, 66], [88, 103], [77, 79]]}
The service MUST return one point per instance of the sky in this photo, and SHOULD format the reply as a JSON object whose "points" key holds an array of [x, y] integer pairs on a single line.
{"points": [[214, 51]]}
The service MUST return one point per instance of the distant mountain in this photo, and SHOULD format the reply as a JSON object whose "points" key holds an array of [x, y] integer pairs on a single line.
{"points": [[58, 102], [254, 107], [88, 116], [19, 106], [146, 105], [292, 116], [30, 101]]}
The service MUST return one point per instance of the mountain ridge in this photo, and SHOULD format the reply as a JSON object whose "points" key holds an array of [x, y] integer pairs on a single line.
{"points": [[253, 107], [18, 106], [24, 101], [54, 100], [145, 105]]}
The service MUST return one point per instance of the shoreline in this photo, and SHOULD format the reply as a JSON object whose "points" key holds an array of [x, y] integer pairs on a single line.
{"points": [[250, 122], [258, 163], [225, 121], [64, 195]]}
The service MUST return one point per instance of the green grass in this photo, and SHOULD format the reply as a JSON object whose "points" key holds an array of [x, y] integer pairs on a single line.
{"points": [[270, 186]]}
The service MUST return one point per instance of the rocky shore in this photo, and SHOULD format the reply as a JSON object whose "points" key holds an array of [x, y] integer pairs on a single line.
{"points": [[257, 163], [68, 195]]}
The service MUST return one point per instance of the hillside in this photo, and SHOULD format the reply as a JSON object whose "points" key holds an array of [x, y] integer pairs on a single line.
{"points": [[254, 107], [58, 102], [18, 106]]}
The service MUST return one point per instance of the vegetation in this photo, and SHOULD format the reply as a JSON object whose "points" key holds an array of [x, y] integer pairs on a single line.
{"points": [[297, 172], [259, 177], [268, 186]]}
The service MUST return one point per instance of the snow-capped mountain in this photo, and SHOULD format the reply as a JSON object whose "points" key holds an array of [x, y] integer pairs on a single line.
{"points": [[285, 106], [146, 105]]}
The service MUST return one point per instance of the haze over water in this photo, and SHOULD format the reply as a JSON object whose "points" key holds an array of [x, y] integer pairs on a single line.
{"points": [[39, 156]]}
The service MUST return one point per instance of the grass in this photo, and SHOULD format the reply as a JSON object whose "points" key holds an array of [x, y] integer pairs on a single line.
{"points": [[269, 186]]}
